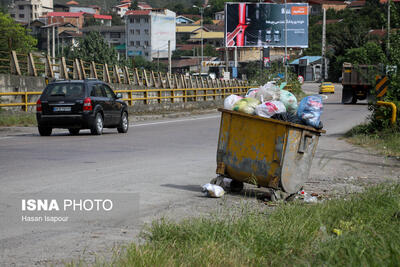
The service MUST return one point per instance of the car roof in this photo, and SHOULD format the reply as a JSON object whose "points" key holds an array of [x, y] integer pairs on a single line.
{"points": [[77, 81]]}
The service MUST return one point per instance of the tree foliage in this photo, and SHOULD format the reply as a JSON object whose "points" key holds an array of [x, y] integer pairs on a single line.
{"points": [[134, 5], [14, 37], [93, 47]]}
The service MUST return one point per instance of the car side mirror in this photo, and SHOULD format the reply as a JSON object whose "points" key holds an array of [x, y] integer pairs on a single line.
{"points": [[119, 95]]}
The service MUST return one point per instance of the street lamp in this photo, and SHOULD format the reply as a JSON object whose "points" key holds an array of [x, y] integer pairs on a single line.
{"points": [[201, 9]]}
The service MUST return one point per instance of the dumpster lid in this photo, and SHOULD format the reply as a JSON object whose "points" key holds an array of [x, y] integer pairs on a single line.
{"points": [[309, 128]]}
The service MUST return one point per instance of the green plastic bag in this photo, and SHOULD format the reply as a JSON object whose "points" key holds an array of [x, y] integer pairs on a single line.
{"points": [[289, 100]]}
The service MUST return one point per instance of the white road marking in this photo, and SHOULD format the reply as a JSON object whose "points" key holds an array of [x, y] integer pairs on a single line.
{"points": [[6, 137], [173, 121]]}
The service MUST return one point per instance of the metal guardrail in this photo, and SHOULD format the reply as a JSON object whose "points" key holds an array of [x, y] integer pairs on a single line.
{"points": [[393, 107], [131, 96], [24, 103]]}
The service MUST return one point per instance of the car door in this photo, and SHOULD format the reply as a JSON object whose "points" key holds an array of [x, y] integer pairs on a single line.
{"points": [[99, 96], [115, 105]]}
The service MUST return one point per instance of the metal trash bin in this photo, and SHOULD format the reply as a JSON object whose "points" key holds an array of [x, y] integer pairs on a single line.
{"points": [[267, 152]]}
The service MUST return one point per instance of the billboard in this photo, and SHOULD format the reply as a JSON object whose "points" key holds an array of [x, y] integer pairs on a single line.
{"points": [[263, 25]]}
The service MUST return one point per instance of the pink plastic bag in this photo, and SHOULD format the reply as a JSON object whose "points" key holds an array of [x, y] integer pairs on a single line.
{"points": [[270, 108]]}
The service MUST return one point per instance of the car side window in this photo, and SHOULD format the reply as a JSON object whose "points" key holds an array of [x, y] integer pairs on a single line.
{"points": [[97, 91], [109, 91]]}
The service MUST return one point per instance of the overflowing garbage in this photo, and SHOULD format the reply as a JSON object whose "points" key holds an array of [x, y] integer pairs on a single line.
{"points": [[271, 101]]}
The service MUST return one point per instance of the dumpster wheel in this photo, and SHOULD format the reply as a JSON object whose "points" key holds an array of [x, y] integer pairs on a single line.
{"points": [[234, 186]]}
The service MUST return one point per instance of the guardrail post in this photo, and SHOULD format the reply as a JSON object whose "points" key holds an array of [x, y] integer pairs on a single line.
{"points": [[63, 69], [106, 73], [138, 80], [82, 69], [31, 65], [127, 80], [116, 75], [163, 84], [14, 64], [24, 97], [145, 95], [145, 78], [48, 67], [153, 80], [130, 102], [93, 71], [169, 84], [76, 73], [176, 81]]}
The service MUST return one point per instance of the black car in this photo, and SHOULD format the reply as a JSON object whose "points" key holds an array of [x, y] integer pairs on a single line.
{"points": [[80, 104]]}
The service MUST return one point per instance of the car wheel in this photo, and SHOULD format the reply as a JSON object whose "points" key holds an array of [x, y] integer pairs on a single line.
{"points": [[97, 128], [74, 131], [44, 131], [124, 123]]}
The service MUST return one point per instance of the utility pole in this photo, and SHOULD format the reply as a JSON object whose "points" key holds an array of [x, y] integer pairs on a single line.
{"points": [[48, 41], [54, 43], [201, 9], [126, 37], [158, 59], [201, 13], [323, 46], [285, 44], [169, 57], [388, 28], [226, 59]]}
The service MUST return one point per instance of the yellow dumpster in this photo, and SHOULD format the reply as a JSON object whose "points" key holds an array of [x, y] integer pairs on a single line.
{"points": [[267, 152]]}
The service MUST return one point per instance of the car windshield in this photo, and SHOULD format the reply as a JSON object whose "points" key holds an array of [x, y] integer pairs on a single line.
{"points": [[67, 90], [327, 84]]}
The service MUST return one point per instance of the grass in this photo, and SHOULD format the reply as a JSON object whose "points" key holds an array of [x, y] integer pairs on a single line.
{"points": [[17, 119], [386, 142], [294, 234]]}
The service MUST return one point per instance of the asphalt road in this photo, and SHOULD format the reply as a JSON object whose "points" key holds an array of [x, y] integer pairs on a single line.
{"points": [[159, 166]]}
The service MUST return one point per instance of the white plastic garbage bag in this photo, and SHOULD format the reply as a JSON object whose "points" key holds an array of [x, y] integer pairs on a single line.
{"points": [[212, 190], [252, 92], [268, 92], [230, 101], [270, 108]]}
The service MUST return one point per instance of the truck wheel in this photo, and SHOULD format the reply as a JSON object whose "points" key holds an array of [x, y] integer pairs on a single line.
{"points": [[347, 95]]}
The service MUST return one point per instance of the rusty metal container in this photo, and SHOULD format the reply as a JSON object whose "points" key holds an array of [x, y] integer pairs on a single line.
{"points": [[267, 152]]}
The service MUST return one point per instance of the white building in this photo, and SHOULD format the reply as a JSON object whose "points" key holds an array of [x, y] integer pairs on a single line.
{"points": [[148, 33], [29, 10], [125, 4]]}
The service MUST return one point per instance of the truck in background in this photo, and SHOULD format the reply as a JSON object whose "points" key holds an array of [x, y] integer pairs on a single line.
{"points": [[358, 81]]}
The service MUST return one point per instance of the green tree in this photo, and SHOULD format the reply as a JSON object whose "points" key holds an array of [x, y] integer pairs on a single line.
{"points": [[91, 22], [210, 51], [116, 19], [14, 37], [93, 47], [134, 5]]}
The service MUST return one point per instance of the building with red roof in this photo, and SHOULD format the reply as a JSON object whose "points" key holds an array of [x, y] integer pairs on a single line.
{"points": [[124, 5], [75, 18], [72, 3], [102, 19]]}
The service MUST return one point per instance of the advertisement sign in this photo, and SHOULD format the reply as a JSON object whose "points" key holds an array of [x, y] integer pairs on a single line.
{"points": [[263, 25]]}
